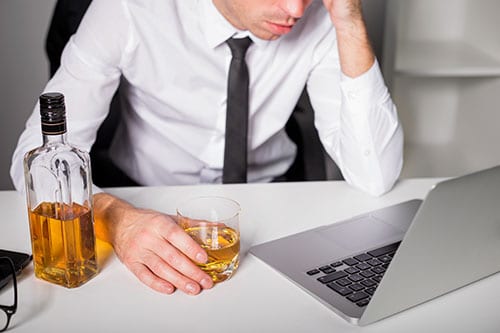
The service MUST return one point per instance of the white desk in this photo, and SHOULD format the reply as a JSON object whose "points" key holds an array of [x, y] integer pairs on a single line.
{"points": [[256, 299]]}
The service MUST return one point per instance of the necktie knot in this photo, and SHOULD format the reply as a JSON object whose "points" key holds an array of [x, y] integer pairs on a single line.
{"points": [[239, 46]]}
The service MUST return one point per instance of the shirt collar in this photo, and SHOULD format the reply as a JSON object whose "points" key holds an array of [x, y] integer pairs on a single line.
{"points": [[217, 29]]}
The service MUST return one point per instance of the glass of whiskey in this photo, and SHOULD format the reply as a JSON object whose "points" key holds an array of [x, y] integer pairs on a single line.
{"points": [[213, 222]]}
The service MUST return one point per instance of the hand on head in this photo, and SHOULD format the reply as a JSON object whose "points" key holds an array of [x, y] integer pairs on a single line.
{"points": [[344, 12]]}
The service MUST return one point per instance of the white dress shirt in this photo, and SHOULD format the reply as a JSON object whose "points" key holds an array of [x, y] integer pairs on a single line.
{"points": [[174, 62]]}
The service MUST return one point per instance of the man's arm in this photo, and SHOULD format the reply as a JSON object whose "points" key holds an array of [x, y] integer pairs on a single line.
{"points": [[355, 116], [355, 51], [151, 245]]}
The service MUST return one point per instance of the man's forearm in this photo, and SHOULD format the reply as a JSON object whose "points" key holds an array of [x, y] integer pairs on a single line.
{"points": [[355, 51], [108, 211]]}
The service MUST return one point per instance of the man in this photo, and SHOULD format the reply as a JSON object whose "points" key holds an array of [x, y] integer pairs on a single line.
{"points": [[174, 60]]}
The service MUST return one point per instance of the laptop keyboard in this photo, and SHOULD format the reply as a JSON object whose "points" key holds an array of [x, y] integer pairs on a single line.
{"points": [[356, 278]]}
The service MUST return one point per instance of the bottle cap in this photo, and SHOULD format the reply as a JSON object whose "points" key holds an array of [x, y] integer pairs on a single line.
{"points": [[53, 113]]}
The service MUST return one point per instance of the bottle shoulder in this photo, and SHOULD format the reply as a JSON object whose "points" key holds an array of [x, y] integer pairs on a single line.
{"points": [[58, 151]]}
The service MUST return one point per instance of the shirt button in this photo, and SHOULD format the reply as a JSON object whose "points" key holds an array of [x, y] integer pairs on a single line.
{"points": [[367, 152], [353, 95]]}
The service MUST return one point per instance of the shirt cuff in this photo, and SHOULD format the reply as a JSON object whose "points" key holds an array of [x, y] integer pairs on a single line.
{"points": [[367, 89]]}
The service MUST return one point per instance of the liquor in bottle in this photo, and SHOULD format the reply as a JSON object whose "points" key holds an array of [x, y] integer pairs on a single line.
{"points": [[59, 199]]}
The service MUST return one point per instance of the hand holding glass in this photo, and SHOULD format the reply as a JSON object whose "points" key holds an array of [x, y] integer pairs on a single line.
{"points": [[213, 222]]}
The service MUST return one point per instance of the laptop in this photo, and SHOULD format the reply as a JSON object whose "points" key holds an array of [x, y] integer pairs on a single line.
{"points": [[377, 264]]}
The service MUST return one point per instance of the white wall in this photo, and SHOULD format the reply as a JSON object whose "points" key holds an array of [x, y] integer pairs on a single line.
{"points": [[445, 67], [24, 70]]}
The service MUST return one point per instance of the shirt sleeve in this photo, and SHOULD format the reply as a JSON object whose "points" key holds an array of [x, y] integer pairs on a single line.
{"points": [[357, 123], [88, 77]]}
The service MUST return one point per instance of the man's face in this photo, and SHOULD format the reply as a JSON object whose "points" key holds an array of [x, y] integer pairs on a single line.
{"points": [[266, 19]]}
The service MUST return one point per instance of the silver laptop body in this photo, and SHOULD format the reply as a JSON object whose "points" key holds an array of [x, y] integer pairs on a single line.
{"points": [[454, 233]]}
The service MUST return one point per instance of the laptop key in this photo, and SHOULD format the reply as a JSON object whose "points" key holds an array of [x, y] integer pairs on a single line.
{"points": [[351, 270], [368, 283], [350, 261], [313, 272], [363, 302], [363, 266], [385, 258], [363, 257], [356, 297], [391, 248], [337, 264], [328, 270], [370, 291], [356, 278], [343, 291], [356, 287], [332, 277], [344, 282], [374, 262], [367, 274], [378, 270]]}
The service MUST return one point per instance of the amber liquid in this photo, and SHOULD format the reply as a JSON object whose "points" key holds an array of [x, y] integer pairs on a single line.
{"points": [[223, 247], [63, 243]]}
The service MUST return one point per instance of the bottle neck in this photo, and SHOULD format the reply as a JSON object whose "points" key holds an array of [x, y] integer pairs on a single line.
{"points": [[50, 139]]}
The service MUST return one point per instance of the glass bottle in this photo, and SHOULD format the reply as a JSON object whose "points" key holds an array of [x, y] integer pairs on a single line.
{"points": [[59, 198]]}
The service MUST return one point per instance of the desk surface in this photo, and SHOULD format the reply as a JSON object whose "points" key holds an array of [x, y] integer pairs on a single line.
{"points": [[256, 299]]}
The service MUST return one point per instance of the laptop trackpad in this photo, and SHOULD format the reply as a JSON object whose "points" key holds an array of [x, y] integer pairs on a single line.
{"points": [[360, 233]]}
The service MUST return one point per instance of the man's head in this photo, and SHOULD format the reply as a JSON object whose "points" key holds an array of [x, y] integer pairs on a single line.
{"points": [[266, 19]]}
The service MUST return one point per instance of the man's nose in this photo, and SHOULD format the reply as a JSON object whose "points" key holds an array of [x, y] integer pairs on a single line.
{"points": [[295, 8]]}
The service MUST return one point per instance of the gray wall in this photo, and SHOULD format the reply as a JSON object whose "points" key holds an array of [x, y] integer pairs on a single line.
{"points": [[374, 12], [24, 66]]}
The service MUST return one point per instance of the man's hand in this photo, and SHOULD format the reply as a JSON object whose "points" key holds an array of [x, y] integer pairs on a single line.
{"points": [[355, 51], [344, 13], [151, 245]]}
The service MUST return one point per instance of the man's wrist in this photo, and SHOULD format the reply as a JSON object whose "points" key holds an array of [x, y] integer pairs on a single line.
{"points": [[352, 28], [109, 211]]}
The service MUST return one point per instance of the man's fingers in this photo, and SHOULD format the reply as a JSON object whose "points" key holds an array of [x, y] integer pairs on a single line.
{"points": [[176, 236], [182, 264], [151, 280], [165, 271]]}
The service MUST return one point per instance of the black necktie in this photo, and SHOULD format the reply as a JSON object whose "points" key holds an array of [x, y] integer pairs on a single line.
{"points": [[235, 150]]}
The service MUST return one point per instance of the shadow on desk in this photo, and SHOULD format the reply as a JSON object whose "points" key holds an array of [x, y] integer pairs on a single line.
{"points": [[40, 298]]}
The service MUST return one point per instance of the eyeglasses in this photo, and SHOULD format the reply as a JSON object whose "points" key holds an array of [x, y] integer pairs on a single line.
{"points": [[8, 294]]}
